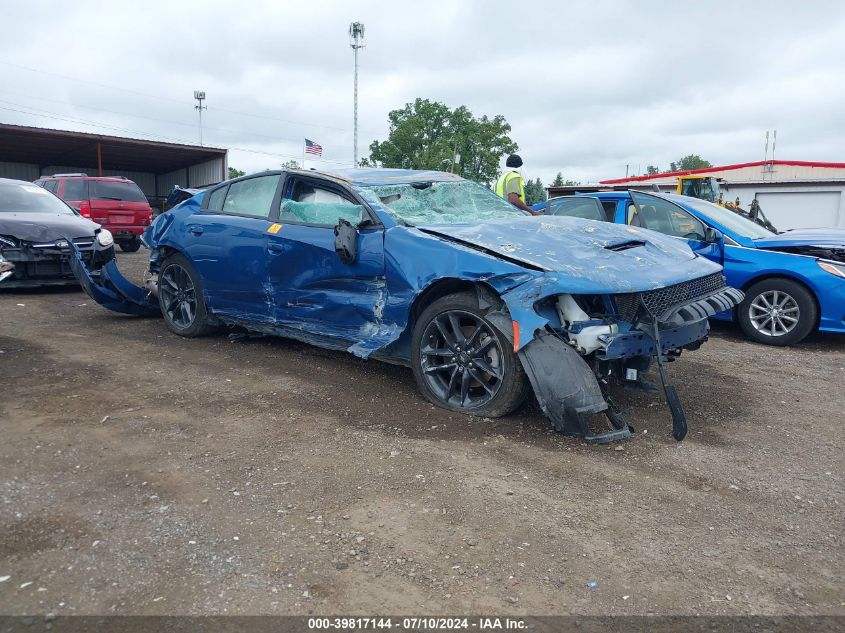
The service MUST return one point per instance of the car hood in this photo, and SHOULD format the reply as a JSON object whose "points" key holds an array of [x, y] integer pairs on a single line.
{"points": [[618, 258], [45, 227], [822, 238]]}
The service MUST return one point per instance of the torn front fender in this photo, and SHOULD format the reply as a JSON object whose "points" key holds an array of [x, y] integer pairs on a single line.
{"points": [[567, 389], [111, 289]]}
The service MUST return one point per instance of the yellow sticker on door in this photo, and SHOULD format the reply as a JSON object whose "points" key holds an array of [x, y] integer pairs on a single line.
{"points": [[274, 228]]}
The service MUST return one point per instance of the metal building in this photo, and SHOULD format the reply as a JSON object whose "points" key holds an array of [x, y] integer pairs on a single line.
{"points": [[27, 153], [793, 194]]}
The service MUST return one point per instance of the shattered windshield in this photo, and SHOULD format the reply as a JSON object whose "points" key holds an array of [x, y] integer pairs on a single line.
{"points": [[461, 202]]}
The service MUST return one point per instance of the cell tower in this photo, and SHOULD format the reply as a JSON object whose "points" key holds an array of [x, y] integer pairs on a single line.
{"points": [[356, 41], [199, 95]]}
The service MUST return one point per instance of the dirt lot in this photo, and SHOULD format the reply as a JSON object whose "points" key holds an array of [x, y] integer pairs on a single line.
{"points": [[144, 473]]}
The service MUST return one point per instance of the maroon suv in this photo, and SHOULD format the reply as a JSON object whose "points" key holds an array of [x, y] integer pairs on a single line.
{"points": [[116, 203]]}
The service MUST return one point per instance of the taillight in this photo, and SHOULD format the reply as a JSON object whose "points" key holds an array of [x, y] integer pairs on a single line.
{"points": [[85, 209]]}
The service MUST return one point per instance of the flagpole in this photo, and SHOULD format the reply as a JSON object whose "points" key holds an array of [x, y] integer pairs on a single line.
{"points": [[303, 155]]}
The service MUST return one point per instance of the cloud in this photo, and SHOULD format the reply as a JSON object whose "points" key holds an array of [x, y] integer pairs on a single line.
{"points": [[588, 88]]}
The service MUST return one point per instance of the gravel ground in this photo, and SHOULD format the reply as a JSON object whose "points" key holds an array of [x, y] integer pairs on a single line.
{"points": [[142, 473]]}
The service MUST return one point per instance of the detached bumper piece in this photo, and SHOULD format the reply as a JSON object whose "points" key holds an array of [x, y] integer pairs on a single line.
{"points": [[108, 287], [568, 391]]}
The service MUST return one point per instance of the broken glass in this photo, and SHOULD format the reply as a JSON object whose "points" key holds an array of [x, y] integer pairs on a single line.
{"points": [[443, 203], [327, 213]]}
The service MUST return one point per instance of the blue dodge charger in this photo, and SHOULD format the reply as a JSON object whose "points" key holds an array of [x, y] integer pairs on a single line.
{"points": [[484, 302], [794, 282]]}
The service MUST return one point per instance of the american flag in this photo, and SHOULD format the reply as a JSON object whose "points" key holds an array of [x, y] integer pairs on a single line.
{"points": [[313, 148]]}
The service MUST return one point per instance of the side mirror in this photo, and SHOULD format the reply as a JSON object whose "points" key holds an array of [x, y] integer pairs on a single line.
{"points": [[346, 241], [712, 235]]}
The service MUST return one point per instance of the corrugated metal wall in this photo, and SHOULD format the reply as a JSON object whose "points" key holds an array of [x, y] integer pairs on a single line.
{"points": [[200, 175], [207, 173], [167, 181], [18, 171]]}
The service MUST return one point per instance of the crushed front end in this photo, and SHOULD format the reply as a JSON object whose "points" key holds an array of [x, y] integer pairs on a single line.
{"points": [[591, 340]]}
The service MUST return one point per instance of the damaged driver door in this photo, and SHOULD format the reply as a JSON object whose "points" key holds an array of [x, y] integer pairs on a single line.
{"points": [[320, 288]]}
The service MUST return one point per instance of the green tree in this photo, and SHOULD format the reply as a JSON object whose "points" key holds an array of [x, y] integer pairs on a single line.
{"points": [[427, 134], [652, 169], [559, 181], [291, 164], [534, 192], [692, 161], [236, 173]]}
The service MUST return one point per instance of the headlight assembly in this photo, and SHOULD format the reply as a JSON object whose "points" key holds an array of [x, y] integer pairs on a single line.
{"points": [[105, 238], [832, 267]]}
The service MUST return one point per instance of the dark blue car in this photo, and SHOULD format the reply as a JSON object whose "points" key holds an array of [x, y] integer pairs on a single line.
{"points": [[426, 269], [794, 282]]}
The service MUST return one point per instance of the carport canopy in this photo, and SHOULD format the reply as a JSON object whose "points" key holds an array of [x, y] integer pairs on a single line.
{"points": [[43, 147]]}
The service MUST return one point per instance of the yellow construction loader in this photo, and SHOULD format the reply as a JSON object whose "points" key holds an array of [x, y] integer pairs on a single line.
{"points": [[708, 188]]}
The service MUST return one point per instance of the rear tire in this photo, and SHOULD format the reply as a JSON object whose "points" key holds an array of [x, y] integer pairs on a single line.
{"points": [[131, 246], [180, 296], [778, 312], [462, 362]]}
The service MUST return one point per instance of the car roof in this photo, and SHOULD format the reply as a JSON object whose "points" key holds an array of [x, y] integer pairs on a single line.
{"points": [[375, 176], [13, 181], [69, 177]]}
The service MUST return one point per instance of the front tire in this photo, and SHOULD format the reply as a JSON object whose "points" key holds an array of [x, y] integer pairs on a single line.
{"points": [[462, 362], [778, 312], [180, 297]]}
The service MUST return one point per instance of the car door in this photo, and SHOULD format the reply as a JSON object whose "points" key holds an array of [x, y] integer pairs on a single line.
{"points": [[313, 289], [227, 243], [658, 214]]}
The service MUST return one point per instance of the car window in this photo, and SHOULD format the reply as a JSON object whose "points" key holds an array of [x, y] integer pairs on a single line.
{"points": [[26, 198], [609, 209], [252, 197], [112, 190], [215, 199], [662, 216], [309, 204], [49, 185], [75, 190], [587, 208]]}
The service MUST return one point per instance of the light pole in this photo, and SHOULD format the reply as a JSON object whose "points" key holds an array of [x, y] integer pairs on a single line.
{"points": [[199, 95], [356, 41]]}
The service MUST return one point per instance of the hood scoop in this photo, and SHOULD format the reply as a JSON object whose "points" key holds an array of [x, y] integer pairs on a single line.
{"points": [[624, 246]]}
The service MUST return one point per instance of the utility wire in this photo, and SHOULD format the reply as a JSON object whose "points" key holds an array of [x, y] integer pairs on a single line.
{"points": [[52, 115], [139, 116], [173, 100]]}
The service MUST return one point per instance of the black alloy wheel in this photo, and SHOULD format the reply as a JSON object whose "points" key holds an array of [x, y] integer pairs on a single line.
{"points": [[462, 362], [180, 297]]}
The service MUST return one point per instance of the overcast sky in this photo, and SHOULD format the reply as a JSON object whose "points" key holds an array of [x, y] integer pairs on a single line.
{"points": [[587, 87]]}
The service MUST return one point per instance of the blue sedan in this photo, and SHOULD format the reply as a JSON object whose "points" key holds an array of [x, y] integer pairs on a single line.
{"points": [[481, 300], [794, 282]]}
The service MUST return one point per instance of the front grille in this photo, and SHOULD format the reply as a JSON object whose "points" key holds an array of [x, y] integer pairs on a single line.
{"points": [[45, 269], [658, 302]]}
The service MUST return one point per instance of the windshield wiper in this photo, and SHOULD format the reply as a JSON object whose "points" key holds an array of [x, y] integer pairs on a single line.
{"points": [[109, 198]]}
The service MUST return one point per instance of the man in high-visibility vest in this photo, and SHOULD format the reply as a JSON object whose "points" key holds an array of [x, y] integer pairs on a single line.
{"points": [[511, 187]]}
